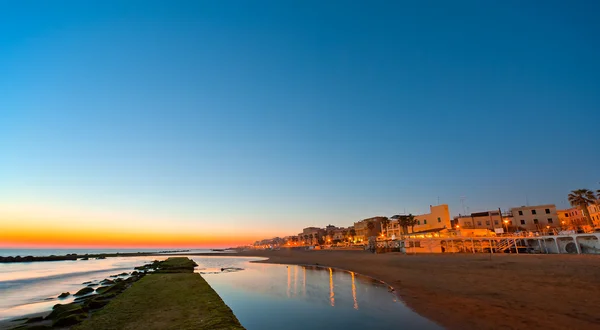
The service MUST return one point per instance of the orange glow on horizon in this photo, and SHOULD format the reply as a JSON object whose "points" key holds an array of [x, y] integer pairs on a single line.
{"points": [[57, 237]]}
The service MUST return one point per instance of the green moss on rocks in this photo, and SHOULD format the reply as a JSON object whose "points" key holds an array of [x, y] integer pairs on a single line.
{"points": [[84, 291]]}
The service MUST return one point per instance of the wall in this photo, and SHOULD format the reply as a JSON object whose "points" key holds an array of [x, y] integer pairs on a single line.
{"points": [[527, 220]]}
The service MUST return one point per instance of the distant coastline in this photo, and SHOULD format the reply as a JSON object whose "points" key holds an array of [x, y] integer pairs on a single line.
{"points": [[87, 256]]}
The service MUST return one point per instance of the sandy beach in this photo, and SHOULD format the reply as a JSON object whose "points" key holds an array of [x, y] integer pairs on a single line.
{"points": [[474, 291]]}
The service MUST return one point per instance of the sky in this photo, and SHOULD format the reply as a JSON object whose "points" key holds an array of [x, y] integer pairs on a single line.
{"points": [[217, 123]]}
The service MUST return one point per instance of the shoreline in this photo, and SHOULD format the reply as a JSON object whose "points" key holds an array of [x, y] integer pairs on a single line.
{"points": [[465, 291]]}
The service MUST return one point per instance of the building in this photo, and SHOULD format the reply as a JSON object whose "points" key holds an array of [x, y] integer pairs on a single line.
{"points": [[571, 217], [481, 220], [336, 234], [535, 218], [362, 228], [437, 218], [311, 235], [595, 213], [575, 216]]}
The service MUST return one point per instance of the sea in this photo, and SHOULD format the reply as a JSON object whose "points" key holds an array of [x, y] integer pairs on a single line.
{"points": [[62, 252], [28, 288]]}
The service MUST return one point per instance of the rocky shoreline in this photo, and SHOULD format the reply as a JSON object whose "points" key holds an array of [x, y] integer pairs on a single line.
{"points": [[88, 300]]}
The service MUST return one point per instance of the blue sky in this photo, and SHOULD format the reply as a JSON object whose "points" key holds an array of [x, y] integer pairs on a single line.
{"points": [[282, 114]]}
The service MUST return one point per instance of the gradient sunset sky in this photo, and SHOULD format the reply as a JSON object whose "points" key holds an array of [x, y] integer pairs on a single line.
{"points": [[216, 123]]}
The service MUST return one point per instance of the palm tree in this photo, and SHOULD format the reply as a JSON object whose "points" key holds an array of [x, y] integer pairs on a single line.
{"points": [[370, 225], [403, 223], [412, 222], [352, 233], [384, 224], [582, 198]]}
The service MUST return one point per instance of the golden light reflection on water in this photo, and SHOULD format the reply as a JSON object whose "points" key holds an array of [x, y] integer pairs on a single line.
{"points": [[295, 280], [354, 292], [304, 281], [331, 294], [289, 281]]}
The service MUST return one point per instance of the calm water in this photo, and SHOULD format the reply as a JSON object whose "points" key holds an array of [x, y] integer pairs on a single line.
{"points": [[32, 287], [262, 296], [266, 296]]}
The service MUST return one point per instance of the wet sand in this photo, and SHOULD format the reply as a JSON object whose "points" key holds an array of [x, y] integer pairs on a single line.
{"points": [[474, 291]]}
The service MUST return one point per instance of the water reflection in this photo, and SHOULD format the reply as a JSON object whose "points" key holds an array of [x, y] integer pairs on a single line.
{"points": [[331, 294], [264, 297], [354, 292], [303, 281], [288, 282]]}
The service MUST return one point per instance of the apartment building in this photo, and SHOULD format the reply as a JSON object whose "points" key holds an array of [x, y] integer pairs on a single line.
{"points": [[481, 220], [362, 228], [437, 218], [535, 218], [571, 217]]}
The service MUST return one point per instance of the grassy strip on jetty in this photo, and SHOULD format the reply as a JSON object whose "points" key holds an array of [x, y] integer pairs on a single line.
{"points": [[174, 297]]}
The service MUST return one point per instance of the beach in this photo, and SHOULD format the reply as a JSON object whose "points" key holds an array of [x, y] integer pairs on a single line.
{"points": [[477, 291]]}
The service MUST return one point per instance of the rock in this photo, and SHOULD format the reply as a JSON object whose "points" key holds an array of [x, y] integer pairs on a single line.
{"points": [[97, 302], [35, 319], [88, 282], [60, 310], [101, 257], [69, 320], [107, 281], [123, 274], [83, 298], [103, 289], [84, 291], [64, 295]]}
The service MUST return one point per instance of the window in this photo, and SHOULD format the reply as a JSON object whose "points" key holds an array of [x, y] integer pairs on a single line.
{"points": [[566, 215], [520, 212], [522, 222], [533, 212], [439, 219], [418, 222], [550, 220], [424, 222], [547, 211], [487, 222], [479, 223], [495, 222], [536, 221]]}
